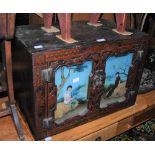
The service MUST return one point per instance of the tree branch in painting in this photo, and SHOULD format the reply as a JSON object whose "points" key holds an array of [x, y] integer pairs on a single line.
{"points": [[63, 79], [123, 69], [78, 68]]}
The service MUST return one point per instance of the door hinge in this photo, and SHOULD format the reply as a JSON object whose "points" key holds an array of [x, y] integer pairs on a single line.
{"points": [[47, 123], [46, 75]]}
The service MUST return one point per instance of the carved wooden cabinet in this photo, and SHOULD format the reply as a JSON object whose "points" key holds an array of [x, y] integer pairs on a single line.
{"points": [[59, 86]]}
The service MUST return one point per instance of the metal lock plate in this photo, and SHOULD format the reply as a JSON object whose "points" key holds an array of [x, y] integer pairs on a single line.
{"points": [[140, 53], [47, 123], [46, 75]]}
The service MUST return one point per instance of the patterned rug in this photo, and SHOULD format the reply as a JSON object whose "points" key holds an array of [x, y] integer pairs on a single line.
{"points": [[143, 132]]}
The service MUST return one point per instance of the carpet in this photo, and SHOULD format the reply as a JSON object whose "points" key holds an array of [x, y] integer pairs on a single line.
{"points": [[143, 132]]}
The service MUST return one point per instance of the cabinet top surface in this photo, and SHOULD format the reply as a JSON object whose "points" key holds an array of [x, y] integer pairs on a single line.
{"points": [[37, 40]]}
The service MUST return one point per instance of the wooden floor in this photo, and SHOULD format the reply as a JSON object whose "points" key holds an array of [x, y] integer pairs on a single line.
{"points": [[103, 128], [7, 127]]}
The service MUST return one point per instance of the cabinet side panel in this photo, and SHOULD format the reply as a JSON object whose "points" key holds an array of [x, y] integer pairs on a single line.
{"points": [[23, 82]]}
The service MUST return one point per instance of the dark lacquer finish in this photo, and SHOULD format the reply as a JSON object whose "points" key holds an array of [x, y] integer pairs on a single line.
{"points": [[59, 86]]}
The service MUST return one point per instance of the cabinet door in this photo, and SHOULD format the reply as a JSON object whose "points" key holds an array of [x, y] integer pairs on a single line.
{"points": [[116, 74], [72, 84], [50, 93]]}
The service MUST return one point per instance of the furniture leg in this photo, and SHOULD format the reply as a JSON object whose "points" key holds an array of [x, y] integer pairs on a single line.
{"points": [[10, 89]]}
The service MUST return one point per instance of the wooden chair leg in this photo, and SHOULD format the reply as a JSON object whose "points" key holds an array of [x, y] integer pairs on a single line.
{"points": [[94, 17], [121, 19], [47, 17], [8, 60], [17, 122], [65, 27], [48, 25], [13, 109]]}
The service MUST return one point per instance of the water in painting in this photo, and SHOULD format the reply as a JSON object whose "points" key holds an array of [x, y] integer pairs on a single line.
{"points": [[72, 90], [116, 71]]}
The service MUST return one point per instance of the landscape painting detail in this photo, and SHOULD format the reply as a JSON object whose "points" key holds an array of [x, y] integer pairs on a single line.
{"points": [[116, 72], [72, 90]]}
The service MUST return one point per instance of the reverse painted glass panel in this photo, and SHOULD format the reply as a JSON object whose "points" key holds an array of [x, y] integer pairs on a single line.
{"points": [[116, 72], [72, 90]]}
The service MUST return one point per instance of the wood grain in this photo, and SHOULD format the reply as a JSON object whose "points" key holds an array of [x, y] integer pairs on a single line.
{"points": [[7, 126]]}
